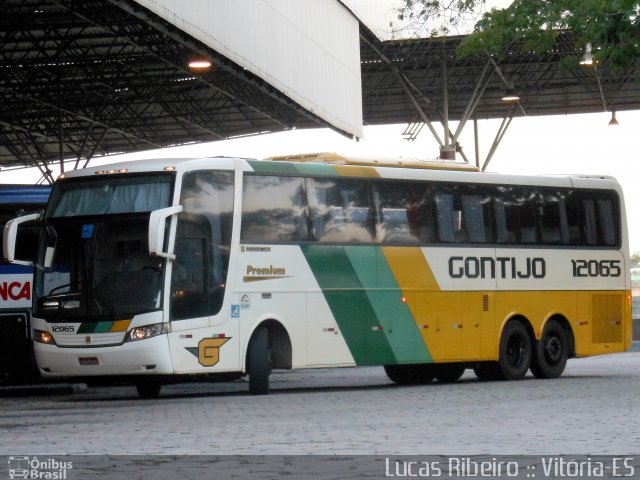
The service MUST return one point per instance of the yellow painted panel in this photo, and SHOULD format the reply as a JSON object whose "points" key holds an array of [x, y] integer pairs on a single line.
{"points": [[478, 326], [353, 171], [120, 325], [438, 318], [581, 324], [410, 268], [466, 326]]}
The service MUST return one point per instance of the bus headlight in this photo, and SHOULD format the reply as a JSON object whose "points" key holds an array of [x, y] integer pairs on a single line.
{"points": [[148, 331], [41, 336]]}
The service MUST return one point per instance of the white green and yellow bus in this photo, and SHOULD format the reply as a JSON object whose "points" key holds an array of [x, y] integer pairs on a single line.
{"points": [[158, 271]]}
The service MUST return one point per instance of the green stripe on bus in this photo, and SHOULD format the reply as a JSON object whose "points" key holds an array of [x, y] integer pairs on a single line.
{"points": [[349, 302], [385, 297], [316, 169], [267, 166], [103, 327], [87, 327]]}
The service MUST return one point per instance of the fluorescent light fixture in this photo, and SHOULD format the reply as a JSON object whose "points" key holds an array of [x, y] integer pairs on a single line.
{"points": [[199, 64], [510, 96]]}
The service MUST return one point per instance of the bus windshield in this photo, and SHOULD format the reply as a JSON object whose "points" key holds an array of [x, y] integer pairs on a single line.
{"points": [[93, 260], [113, 195]]}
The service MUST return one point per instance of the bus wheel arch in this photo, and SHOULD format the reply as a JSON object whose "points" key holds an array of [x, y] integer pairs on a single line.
{"points": [[516, 348], [552, 350]]}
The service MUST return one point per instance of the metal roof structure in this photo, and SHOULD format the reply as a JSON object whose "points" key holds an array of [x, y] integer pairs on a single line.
{"points": [[421, 81], [79, 79], [544, 86], [87, 78]]}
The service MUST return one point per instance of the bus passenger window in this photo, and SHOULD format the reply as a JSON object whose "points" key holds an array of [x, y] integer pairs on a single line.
{"points": [[405, 213], [553, 218], [446, 219], [477, 218], [502, 234], [450, 212], [340, 210], [607, 223], [520, 215], [590, 222], [274, 209], [188, 280], [203, 245], [574, 218]]}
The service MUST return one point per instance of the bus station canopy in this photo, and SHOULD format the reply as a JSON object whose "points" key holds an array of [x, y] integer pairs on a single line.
{"points": [[97, 77]]}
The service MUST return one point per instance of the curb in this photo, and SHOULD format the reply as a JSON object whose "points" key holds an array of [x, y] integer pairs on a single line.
{"points": [[42, 390]]}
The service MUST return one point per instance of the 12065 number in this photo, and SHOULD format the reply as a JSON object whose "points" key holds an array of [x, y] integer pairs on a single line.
{"points": [[596, 268]]}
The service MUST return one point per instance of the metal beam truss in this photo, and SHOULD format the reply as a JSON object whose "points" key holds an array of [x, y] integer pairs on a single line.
{"points": [[99, 77], [403, 82]]}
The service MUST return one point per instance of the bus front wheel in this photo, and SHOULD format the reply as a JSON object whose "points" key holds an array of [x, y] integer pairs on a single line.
{"points": [[551, 352], [259, 362], [515, 351]]}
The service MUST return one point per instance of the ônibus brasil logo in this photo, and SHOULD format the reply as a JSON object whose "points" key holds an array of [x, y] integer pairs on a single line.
{"points": [[34, 468]]}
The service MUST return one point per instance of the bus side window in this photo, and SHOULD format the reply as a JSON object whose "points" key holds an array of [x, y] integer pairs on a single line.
{"points": [[203, 245], [451, 215], [521, 215], [502, 235], [340, 210], [446, 220], [553, 218], [274, 209], [476, 210], [189, 292], [607, 222], [575, 219], [590, 222], [405, 213]]}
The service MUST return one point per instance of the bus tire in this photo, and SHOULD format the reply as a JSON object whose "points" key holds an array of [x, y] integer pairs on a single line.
{"points": [[259, 362], [409, 374], [515, 351], [488, 371], [148, 390], [550, 354], [449, 372]]}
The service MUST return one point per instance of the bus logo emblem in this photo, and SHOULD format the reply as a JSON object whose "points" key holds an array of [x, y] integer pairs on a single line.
{"points": [[208, 350]]}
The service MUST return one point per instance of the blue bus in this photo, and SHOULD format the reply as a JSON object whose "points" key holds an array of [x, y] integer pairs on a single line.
{"points": [[17, 363]]}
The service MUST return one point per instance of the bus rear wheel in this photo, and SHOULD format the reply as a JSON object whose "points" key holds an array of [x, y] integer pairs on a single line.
{"points": [[259, 362], [551, 352], [515, 351], [148, 390], [410, 374]]}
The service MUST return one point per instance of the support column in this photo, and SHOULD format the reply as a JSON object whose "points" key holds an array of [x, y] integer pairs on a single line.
{"points": [[447, 150]]}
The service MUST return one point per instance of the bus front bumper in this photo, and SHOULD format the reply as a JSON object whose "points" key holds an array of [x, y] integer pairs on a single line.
{"points": [[144, 357]]}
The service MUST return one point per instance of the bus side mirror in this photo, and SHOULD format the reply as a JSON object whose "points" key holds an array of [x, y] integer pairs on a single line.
{"points": [[10, 236], [157, 224]]}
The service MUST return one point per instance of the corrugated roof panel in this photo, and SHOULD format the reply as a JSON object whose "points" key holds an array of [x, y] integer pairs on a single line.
{"points": [[308, 50]]}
